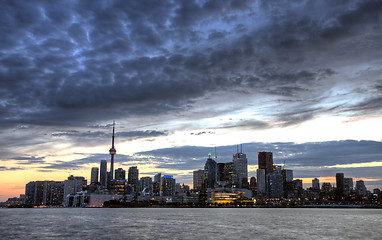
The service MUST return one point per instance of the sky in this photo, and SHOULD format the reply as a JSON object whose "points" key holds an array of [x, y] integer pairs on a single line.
{"points": [[302, 79]]}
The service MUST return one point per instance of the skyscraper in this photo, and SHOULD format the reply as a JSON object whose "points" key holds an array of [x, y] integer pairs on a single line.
{"points": [[103, 173], [112, 152], [168, 186], [94, 175], [120, 174], [360, 188], [133, 175], [274, 185], [210, 173], [198, 177], [261, 182], [240, 169], [266, 161], [348, 185], [316, 184], [147, 185], [340, 184]]}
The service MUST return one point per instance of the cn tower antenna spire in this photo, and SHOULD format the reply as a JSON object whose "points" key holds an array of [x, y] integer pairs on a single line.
{"points": [[112, 152]]}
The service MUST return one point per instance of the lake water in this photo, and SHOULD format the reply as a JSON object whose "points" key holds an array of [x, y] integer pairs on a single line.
{"points": [[190, 223]]}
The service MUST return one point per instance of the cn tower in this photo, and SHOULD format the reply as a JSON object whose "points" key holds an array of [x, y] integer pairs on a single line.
{"points": [[112, 152]]}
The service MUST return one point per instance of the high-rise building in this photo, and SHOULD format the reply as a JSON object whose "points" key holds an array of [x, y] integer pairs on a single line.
{"points": [[112, 152], [253, 185], [274, 185], [228, 173], [360, 188], [316, 184], [220, 171], [266, 161], [209, 173], [133, 175], [157, 184], [147, 185], [340, 184], [348, 185], [53, 193], [198, 177], [288, 183], [240, 164], [39, 193], [74, 185], [30, 192], [94, 175], [326, 187], [168, 186], [103, 173], [120, 174], [261, 191]]}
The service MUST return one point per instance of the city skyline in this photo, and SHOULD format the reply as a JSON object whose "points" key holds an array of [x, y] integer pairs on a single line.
{"points": [[301, 79]]}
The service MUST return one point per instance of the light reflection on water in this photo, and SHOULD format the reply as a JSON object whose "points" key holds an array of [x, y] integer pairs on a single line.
{"points": [[190, 223]]}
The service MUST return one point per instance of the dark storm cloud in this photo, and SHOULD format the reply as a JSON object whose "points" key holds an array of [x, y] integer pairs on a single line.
{"points": [[80, 62], [99, 134], [82, 162], [28, 160]]}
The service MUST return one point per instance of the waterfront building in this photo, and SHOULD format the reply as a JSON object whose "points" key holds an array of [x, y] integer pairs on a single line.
{"points": [[228, 195], [133, 175], [157, 184], [118, 186], [209, 173], [94, 175], [147, 185], [360, 188], [253, 185], [53, 193], [198, 177], [288, 183], [103, 173], [73, 185], [348, 185], [30, 192], [339, 184], [168, 186], [240, 173], [326, 187], [274, 185], [265, 161], [228, 172], [316, 184], [261, 185], [120, 174]]}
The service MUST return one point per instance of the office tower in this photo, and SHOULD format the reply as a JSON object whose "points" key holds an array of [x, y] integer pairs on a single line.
{"points": [[228, 174], [120, 174], [133, 175], [157, 184], [39, 193], [360, 188], [220, 171], [316, 184], [112, 152], [339, 184], [266, 161], [253, 185], [297, 187], [348, 185], [287, 182], [168, 186], [94, 175], [147, 185], [103, 173], [209, 173], [198, 177], [240, 175], [53, 193], [118, 186], [277, 168], [274, 185], [30, 192], [261, 182], [326, 187], [74, 185]]}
